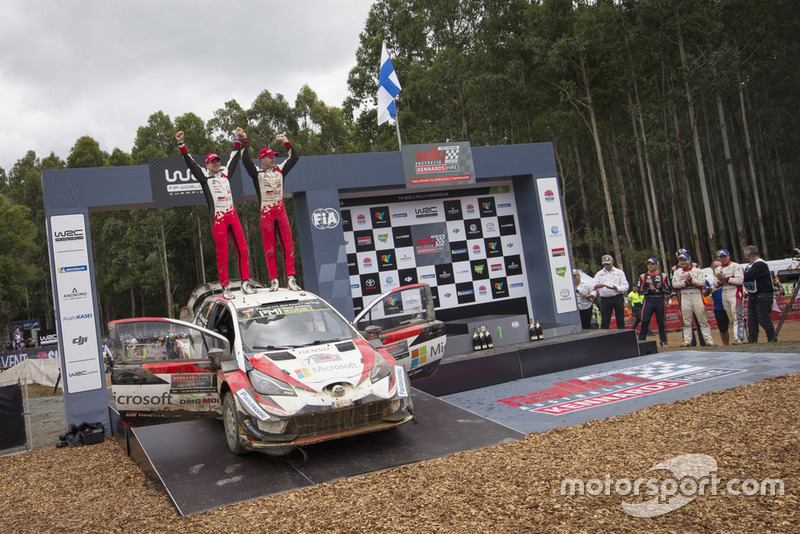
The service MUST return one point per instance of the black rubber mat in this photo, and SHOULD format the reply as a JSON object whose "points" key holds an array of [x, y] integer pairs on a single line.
{"points": [[198, 471]]}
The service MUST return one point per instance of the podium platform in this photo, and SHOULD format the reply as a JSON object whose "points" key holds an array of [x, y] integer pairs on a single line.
{"points": [[199, 473], [488, 367]]}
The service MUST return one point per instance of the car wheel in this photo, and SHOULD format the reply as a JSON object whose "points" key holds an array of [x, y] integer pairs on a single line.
{"points": [[230, 419]]}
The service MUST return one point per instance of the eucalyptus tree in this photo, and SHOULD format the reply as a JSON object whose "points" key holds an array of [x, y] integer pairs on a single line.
{"points": [[18, 270]]}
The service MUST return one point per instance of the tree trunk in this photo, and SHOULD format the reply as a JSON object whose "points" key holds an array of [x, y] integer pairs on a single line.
{"points": [[785, 195], [162, 245], [200, 246], [698, 152], [640, 161], [752, 169], [623, 197], [715, 186], [587, 218], [685, 180], [563, 180], [734, 190], [659, 243], [602, 167]]}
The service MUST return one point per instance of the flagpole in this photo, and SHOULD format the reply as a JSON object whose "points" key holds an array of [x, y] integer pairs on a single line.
{"points": [[397, 126]]}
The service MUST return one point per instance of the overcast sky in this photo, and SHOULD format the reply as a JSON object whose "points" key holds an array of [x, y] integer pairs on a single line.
{"points": [[70, 68]]}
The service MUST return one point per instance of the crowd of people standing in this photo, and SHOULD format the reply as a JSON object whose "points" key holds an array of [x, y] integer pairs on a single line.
{"points": [[730, 285]]}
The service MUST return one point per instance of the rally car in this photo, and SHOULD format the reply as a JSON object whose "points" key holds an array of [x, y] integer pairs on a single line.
{"points": [[283, 369]]}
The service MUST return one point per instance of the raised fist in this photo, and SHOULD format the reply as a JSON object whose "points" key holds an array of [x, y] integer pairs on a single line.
{"points": [[179, 136]]}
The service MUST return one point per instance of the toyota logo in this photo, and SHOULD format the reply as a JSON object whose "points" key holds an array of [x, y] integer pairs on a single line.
{"points": [[338, 390]]}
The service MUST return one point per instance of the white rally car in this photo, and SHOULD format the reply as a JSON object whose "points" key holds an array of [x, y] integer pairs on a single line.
{"points": [[282, 368]]}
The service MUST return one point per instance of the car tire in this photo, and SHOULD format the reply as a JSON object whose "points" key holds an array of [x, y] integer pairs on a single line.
{"points": [[230, 419]]}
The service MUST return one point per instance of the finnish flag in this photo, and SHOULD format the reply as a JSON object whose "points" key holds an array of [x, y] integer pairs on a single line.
{"points": [[388, 88]]}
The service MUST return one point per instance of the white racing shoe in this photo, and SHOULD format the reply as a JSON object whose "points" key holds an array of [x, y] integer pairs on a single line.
{"points": [[227, 292], [293, 285], [248, 288], [273, 284]]}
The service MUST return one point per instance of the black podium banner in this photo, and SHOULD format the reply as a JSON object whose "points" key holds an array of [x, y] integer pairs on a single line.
{"points": [[12, 417]]}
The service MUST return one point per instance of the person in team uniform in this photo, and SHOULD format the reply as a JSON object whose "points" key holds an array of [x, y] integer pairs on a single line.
{"points": [[695, 327], [655, 288], [730, 276], [268, 182], [215, 182], [585, 296], [758, 284], [714, 290], [690, 281], [611, 286]]}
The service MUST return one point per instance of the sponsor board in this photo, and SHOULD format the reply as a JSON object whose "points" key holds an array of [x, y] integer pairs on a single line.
{"points": [[75, 303], [591, 391], [438, 164]]}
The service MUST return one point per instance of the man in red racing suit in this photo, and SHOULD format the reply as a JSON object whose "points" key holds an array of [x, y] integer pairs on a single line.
{"points": [[214, 180], [268, 182]]}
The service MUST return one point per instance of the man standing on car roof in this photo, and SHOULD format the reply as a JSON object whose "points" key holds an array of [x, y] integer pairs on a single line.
{"points": [[215, 181], [269, 186]]}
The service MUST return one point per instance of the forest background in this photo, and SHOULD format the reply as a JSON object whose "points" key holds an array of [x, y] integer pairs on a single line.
{"points": [[673, 124]]}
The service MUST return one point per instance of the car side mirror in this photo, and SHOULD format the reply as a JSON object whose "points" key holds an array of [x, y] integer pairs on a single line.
{"points": [[373, 331], [215, 355]]}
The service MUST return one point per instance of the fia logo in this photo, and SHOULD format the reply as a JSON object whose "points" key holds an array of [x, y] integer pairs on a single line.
{"points": [[325, 218]]}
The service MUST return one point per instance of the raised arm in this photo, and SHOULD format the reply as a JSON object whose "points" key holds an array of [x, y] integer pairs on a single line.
{"points": [[196, 170], [287, 165]]}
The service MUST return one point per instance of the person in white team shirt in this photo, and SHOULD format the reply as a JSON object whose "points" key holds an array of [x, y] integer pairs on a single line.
{"points": [[585, 297], [611, 286], [690, 281], [730, 276]]}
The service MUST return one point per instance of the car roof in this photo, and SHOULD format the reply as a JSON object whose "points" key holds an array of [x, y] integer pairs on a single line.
{"points": [[262, 296], [265, 297]]}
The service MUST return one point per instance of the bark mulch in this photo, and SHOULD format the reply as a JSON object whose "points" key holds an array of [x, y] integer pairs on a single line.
{"points": [[751, 432]]}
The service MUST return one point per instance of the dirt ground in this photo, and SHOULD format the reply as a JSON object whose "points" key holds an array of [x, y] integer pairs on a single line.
{"points": [[751, 432]]}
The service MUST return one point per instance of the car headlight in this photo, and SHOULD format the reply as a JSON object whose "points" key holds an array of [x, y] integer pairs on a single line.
{"points": [[266, 385], [380, 369]]}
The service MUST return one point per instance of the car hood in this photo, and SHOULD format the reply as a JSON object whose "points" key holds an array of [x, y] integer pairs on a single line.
{"points": [[318, 365]]}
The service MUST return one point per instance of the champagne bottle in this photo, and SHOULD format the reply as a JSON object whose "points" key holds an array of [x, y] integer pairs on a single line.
{"points": [[482, 337], [539, 331], [532, 330], [489, 342], [476, 342]]}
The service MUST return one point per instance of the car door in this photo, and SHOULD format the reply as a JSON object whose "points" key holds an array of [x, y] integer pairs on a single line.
{"points": [[405, 322], [165, 370]]}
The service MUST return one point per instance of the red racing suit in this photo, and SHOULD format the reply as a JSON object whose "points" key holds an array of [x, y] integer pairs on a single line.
{"points": [[269, 188], [224, 219]]}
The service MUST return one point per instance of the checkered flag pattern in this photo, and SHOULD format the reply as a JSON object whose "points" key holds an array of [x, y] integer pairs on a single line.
{"points": [[464, 244]]}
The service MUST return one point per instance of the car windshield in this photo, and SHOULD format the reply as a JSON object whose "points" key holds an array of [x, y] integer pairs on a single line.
{"points": [[291, 325]]}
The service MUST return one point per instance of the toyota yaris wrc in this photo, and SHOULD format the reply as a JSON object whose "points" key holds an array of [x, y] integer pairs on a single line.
{"points": [[281, 368]]}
